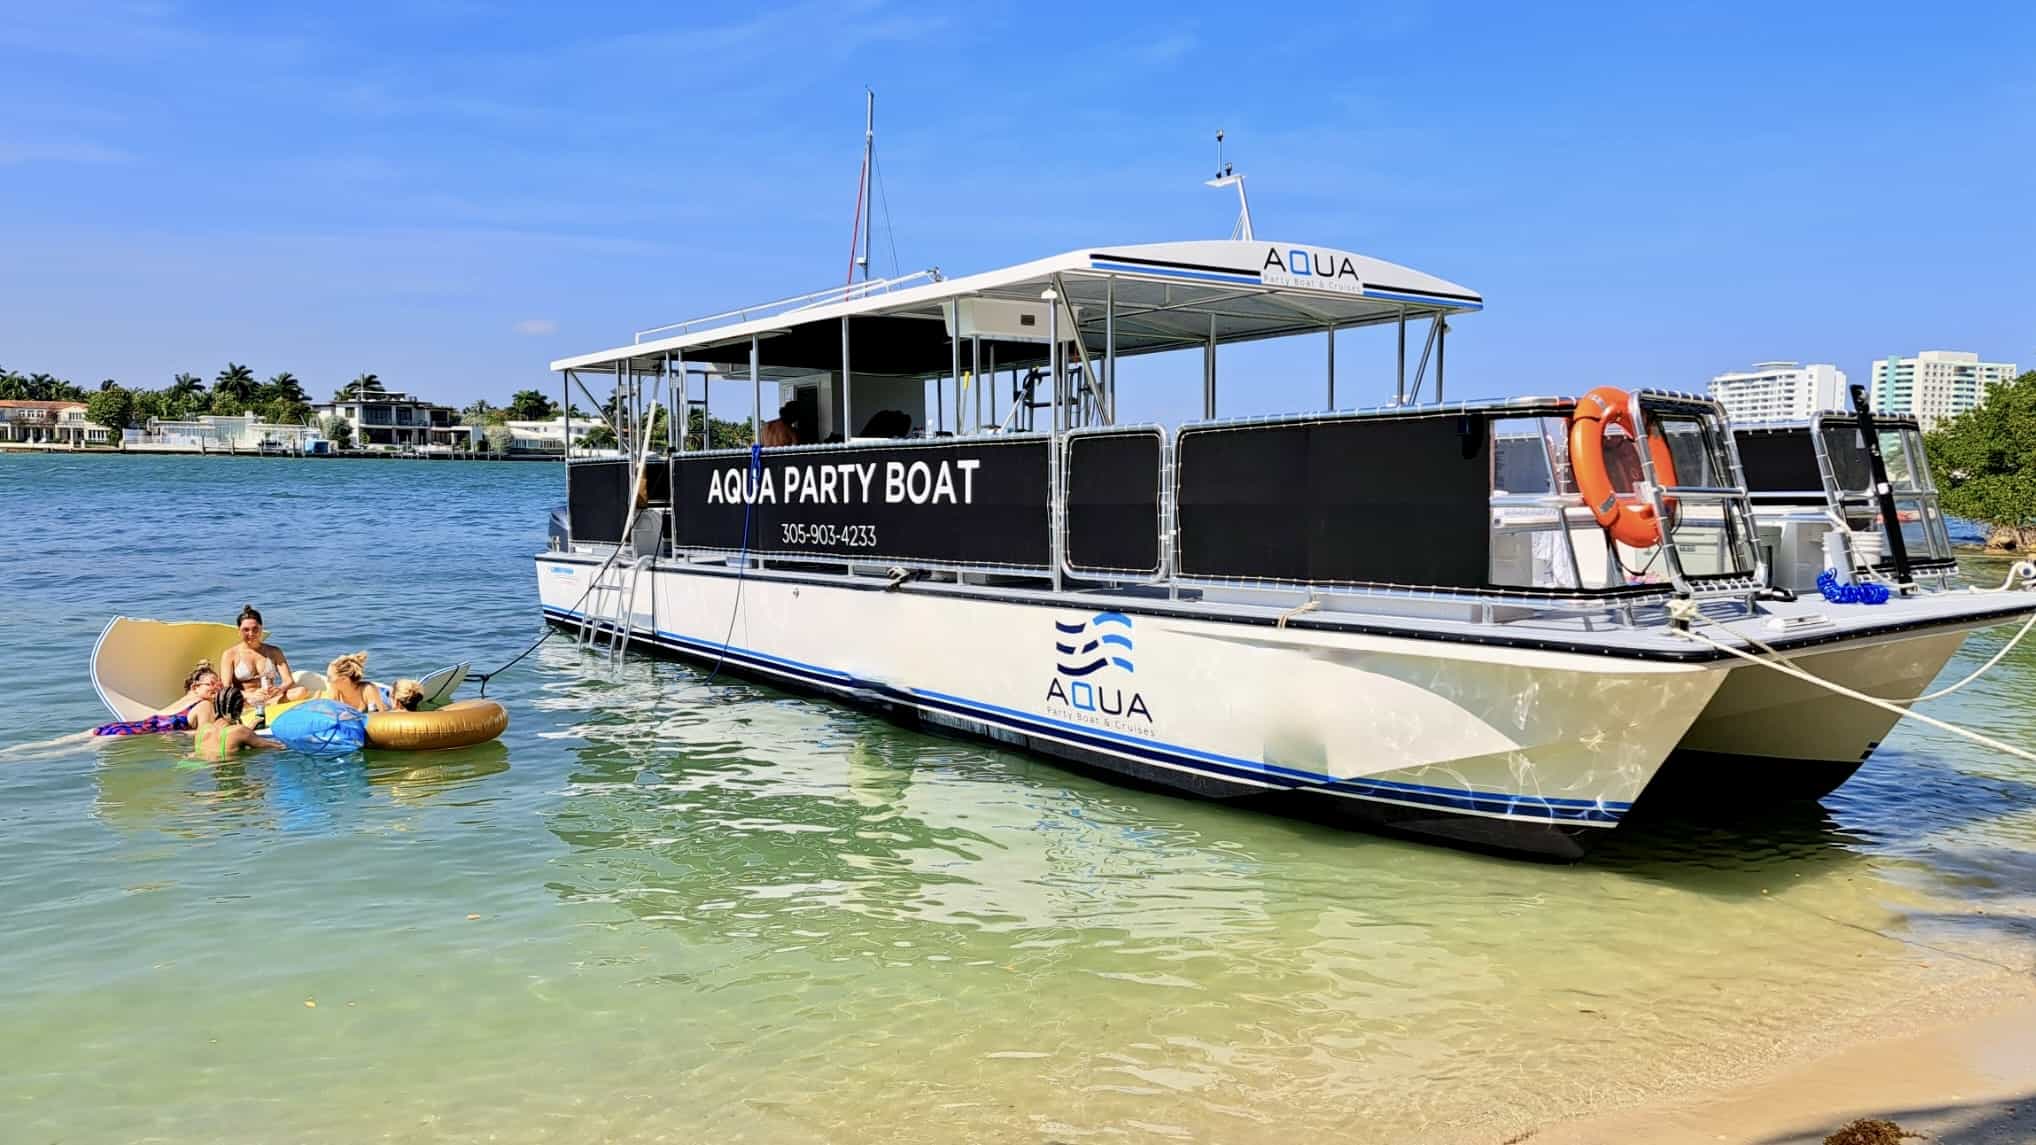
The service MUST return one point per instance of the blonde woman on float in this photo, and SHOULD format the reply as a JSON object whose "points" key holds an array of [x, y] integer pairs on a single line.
{"points": [[346, 681]]}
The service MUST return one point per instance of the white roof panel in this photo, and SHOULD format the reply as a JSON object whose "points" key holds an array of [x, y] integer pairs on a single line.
{"points": [[1167, 297]]}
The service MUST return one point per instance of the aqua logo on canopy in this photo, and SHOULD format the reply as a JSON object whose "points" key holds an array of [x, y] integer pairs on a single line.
{"points": [[1310, 268]]}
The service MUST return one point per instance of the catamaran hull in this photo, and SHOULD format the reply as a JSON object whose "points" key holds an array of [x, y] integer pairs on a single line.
{"points": [[1514, 749], [1767, 737]]}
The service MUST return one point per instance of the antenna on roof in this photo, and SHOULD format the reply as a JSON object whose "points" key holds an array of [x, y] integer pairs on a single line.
{"points": [[1225, 177], [859, 237]]}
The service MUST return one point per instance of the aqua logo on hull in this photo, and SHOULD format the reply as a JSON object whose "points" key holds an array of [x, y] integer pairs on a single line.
{"points": [[1084, 647], [1089, 654]]}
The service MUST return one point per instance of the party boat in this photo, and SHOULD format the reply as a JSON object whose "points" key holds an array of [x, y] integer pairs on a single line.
{"points": [[1488, 623]]}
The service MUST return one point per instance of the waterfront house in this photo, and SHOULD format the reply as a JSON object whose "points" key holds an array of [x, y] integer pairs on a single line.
{"points": [[398, 421], [211, 433], [50, 423], [533, 437]]}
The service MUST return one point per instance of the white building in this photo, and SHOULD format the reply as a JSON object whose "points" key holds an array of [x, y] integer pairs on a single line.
{"points": [[210, 433], [547, 436], [50, 423], [391, 420], [1780, 391], [1935, 384]]}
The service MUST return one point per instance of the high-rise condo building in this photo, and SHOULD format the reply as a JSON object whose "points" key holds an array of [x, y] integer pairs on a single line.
{"points": [[1935, 384], [1777, 391]]}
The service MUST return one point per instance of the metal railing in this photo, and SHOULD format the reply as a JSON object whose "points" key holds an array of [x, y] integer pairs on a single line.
{"points": [[848, 293]]}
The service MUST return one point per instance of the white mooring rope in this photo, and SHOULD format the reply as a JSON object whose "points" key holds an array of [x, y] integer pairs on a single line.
{"points": [[1686, 610]]}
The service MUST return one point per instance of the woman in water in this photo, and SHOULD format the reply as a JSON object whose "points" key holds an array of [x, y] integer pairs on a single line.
{"points": [[201, 688], [346, 681], [406, 695], [258, 669], [216, 737]]}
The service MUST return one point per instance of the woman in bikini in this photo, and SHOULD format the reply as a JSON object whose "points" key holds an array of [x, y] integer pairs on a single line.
{"points": [[215, 737], [201, 689], [258, 669], [346, 681]]}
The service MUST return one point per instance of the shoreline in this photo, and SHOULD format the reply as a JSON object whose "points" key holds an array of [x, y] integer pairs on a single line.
{"points": [[1958, 1064], [176, 451]]}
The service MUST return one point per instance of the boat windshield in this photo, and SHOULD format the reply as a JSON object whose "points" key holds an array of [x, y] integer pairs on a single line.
{"points": [[1916, 508], [1544, 536]]}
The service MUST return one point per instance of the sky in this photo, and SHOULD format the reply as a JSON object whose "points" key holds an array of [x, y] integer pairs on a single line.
{"points": [[451, 195]]}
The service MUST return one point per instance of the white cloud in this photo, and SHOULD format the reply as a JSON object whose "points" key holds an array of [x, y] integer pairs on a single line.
{"points": [[536, 327]]}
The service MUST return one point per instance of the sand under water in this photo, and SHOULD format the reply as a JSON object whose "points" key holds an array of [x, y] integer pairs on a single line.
{"points": [[665, 907]]}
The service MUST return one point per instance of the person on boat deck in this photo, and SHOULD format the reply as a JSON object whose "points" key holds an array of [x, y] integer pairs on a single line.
{"points": [[784, 428], [201, 688], [346, 681], [406, 695], [257, 669]]}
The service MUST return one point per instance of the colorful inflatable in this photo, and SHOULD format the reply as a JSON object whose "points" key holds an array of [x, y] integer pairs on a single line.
{"points": [[461, 724], [321, 727]]}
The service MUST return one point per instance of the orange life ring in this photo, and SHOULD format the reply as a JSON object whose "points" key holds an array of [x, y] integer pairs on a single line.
{"points": [[1631, 522]]}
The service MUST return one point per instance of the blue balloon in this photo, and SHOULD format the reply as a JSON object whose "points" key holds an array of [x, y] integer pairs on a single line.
{"points": [[321, 727]]}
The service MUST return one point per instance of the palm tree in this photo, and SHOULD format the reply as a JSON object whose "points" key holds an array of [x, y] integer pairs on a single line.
{"points": [[107, 384], [237, 382], [363, 386], [285, 387], [13, 387], [185, 387]]}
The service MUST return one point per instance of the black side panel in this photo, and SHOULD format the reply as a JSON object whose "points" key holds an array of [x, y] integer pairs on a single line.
{"points": [[1779, 461], [1113, 502], [597, 497], [1373, 500], [970, 501]]}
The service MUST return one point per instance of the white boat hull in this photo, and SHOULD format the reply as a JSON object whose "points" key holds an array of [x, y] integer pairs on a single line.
{"points": [[1515, 748], [1767, 737]]}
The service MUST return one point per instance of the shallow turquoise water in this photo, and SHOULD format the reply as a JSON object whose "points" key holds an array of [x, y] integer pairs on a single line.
{"points": [[664, 908]]}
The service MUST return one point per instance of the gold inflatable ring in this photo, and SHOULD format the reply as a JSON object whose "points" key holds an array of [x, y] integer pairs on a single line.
{"points": [[461, 724]]}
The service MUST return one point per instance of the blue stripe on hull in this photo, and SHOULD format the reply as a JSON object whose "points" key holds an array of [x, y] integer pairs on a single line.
{"points": [[1546, 809]]}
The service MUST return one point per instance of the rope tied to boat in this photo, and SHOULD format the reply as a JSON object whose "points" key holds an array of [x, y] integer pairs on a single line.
{"points": [[1687, 612], [741, 558], [1311, 605]]}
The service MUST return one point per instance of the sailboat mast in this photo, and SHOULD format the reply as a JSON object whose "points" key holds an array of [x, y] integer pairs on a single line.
{"points": [[869, 156]]}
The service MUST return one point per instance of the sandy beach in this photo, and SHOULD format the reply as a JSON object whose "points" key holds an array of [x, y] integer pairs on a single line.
{"points": [[1964, 1080]]}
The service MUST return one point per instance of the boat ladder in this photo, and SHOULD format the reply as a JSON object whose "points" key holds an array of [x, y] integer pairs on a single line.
{"points": [[609, 613]]}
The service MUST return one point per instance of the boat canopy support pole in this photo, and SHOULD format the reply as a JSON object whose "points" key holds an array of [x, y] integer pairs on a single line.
{"points": [[976, 378], [1110, 348], [1052, 299], [566, 411], [954, 370], [756, 392], [1400, 381], [1090, 386], [592, 401], [682, 418], [1209, 372], [1332, 367], [1421, 367], [847, 416], [1441, 344]]}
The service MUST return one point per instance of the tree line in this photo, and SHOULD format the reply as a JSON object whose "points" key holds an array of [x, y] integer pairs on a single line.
{"points": [[533, 405], [282, 400], [1985, 463], [234, 391]]}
